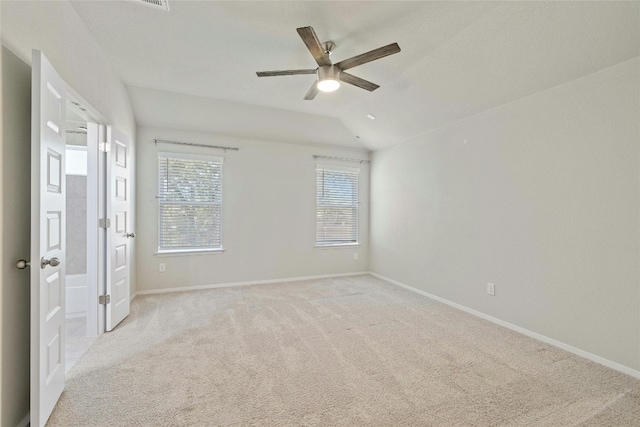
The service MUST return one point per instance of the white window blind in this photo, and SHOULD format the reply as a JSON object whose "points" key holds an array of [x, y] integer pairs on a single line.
{"points": [[337, 206], [190, 202]]}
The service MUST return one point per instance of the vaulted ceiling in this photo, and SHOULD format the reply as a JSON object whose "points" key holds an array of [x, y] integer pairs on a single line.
{"points": [[194, 66]]}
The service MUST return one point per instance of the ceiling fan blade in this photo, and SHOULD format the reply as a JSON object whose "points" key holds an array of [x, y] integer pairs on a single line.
{"points": [[313, 44], [357, 81], [285, 72], [378, 53], [313, 91]]}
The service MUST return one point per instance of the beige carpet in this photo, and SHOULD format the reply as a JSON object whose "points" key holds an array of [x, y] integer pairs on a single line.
{"points": [[337, 352]]}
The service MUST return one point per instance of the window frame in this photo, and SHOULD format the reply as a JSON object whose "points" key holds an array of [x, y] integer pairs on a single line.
{"points": [[194, 250], [356, 205]]}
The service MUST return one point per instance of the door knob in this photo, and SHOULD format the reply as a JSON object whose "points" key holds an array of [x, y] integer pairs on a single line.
{"points": [[131, 235], [23, 263], [53, 262]]}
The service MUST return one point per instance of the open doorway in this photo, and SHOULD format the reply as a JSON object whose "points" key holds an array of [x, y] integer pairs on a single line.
{"points": [[107, 249], [81, 283]]}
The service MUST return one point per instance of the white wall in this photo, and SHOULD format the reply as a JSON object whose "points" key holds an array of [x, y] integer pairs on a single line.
{"points": [[268, 223], [541, 197], [56, 29]]}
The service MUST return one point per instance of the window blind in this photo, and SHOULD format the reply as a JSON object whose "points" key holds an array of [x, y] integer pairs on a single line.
{"points": [[337, 206], [190, 202]]}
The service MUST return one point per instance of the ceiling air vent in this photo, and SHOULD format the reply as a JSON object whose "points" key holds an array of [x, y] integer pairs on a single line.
{"points": [[156, 4]]}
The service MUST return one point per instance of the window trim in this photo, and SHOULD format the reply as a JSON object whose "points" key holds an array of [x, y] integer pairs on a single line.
{"points": [[322, 166], [194, 250], [189, 252], [338, 246]]}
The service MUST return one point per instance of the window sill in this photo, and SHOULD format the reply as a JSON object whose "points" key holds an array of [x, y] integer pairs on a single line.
{"points": [[338, 245], [189, 252]]}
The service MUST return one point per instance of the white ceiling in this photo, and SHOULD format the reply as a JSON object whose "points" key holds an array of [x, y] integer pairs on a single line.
{"points": [[194, 67]]}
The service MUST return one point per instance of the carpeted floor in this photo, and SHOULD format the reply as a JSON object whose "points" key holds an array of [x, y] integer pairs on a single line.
{"points": [[335, 352]]}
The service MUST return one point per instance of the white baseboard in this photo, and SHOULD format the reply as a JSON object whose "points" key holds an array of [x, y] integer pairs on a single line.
{"points": [[133, 296], [253, 282], [601, 360], [25, 421]]}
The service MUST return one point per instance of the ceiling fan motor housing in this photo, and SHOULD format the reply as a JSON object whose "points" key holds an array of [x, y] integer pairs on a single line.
{"points": [[328, 78], [329, 72]]}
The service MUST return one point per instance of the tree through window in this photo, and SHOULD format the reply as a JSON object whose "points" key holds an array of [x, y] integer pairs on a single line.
{"points": [[336, 206], [189, 202]]}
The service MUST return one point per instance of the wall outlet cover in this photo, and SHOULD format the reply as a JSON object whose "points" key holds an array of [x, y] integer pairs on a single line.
{"points": [[491, 289]]}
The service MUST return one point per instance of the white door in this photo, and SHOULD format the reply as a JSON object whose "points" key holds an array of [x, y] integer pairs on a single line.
{"points": [[119, 233], [48, 108]]}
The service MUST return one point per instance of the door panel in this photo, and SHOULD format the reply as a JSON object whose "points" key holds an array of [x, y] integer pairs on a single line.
{"points": [[48, 103], [118, 240]]}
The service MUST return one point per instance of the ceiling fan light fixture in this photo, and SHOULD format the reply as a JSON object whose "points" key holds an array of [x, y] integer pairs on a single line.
{"points": [[328, 85], [330, 75], [328, 78]]}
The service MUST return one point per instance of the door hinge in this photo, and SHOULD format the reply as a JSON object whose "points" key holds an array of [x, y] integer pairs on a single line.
{"points": [[104, 299], [105, 147], [104, 223]]}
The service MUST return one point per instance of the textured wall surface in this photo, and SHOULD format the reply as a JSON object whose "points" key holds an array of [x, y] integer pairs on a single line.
{"points": [[268, 214], [76, 224], [540, 197]]}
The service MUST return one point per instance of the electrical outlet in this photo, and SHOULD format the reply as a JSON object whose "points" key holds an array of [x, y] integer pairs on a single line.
{"points": [[491, 289], [162, 267], [355, 256]]}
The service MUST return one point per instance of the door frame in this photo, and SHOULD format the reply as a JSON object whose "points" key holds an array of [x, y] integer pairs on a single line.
{"points": [[95, 207], [97, 168]]}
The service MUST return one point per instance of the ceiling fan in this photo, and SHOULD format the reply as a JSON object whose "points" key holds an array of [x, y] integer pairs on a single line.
{"points": [[330, 75]]}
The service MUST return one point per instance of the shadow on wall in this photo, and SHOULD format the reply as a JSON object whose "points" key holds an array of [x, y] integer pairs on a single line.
{"points": [[15, 157]]}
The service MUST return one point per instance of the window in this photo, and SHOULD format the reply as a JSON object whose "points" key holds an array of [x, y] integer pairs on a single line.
{"points": [[189, 202], [337, 206]]}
